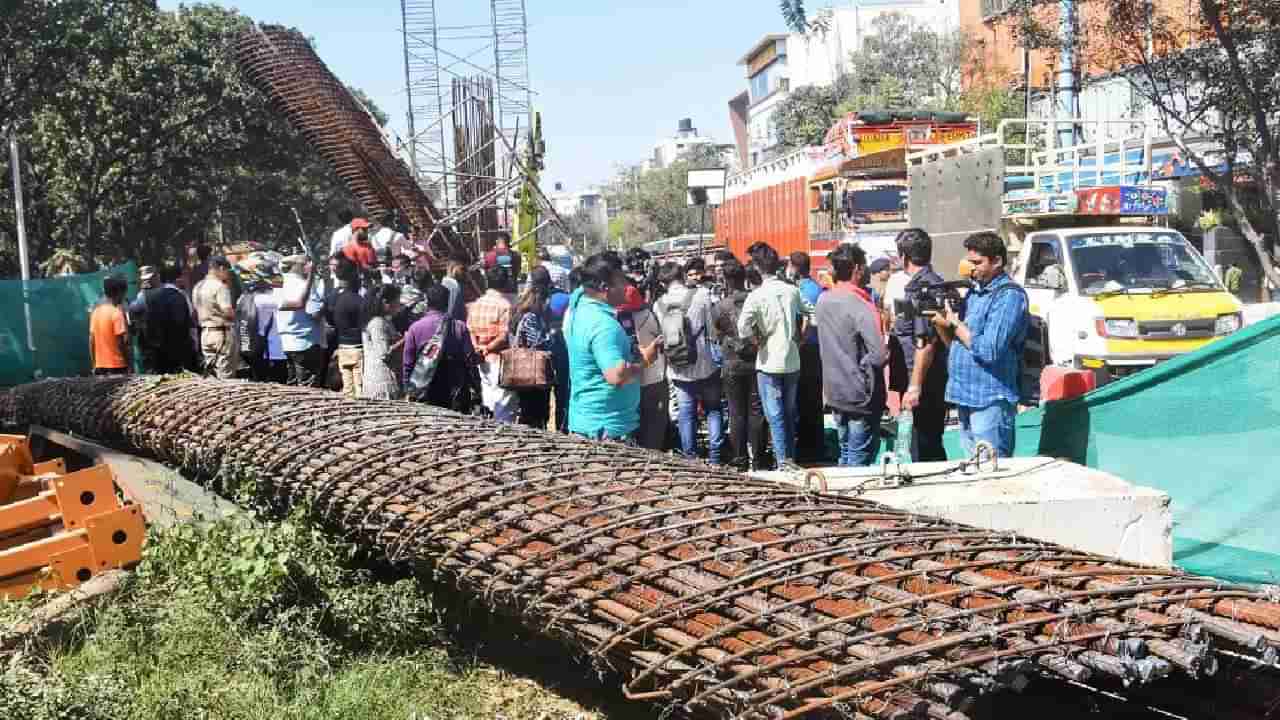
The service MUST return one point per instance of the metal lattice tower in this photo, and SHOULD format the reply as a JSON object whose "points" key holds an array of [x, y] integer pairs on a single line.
{"points": [[511, 67], [462, 44]]}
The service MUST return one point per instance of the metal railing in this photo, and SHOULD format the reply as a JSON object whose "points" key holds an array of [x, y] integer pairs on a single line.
{"points": [[1031, 150]]}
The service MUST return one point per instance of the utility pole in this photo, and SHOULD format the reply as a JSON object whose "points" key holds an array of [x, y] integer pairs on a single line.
{"points": [[19, 212], [1068, 102]]}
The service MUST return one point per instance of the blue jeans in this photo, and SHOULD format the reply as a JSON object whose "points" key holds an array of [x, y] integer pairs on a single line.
{"points": [[688, 394], [993, 423], [859, 440], [778, 397]]}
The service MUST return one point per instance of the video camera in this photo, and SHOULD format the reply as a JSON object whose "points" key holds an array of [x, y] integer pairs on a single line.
{"points": [[921, 305]]}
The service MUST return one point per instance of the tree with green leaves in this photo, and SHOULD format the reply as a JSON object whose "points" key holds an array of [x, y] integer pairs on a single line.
{"points": [[902, 65], [793, 14], [149, 138], [923, 64], [805, 115], [661, 195], [632, 228], [1207, 70]]}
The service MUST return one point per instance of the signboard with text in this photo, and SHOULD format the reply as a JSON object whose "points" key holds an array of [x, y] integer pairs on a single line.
{"points": [[1123, 200], [852, 138]]}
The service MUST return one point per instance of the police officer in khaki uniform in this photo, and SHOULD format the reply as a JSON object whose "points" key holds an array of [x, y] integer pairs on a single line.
{"points": [[212, 298]]}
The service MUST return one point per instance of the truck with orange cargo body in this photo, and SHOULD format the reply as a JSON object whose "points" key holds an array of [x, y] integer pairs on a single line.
{"points": [[853, 188]]}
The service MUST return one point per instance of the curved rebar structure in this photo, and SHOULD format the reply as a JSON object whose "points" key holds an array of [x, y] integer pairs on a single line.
{"points": [[282, 64], [730, 596]]}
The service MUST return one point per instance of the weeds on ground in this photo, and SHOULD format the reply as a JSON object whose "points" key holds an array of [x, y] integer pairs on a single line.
{"points": [[274, 621]]}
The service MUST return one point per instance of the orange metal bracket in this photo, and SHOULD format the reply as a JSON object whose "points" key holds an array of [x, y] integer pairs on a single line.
{"points": [[71, 527]]}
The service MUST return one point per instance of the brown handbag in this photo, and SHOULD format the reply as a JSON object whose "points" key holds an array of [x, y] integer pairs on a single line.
{"points": [[525, 369]]}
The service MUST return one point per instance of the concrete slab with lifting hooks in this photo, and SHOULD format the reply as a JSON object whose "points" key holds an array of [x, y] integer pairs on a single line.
{"points": [[1043, 498]]}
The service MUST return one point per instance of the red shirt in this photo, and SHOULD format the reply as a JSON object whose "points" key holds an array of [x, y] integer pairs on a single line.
{"points": [[360, 254], [493, 259]]}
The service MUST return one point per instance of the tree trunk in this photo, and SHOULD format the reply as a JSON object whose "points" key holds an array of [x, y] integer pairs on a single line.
{"points": [[1255, 238], [89, 243]]}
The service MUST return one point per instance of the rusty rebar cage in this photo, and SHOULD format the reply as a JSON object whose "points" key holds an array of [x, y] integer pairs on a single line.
{"points": [[725, 595], [282, 64]]}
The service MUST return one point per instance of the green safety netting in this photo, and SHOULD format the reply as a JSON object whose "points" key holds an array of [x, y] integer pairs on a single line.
{"points": [[1204, 428], [60, 308]]}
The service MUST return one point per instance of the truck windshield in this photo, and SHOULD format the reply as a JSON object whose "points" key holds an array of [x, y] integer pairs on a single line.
{"points": [[1133, 260]]}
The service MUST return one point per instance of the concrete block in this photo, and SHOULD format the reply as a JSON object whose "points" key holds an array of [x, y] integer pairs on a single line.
{"points": [[1257, 312], [1041, 498]]}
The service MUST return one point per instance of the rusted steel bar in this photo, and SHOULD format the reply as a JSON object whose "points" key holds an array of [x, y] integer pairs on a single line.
{"points": [[731, 596]]}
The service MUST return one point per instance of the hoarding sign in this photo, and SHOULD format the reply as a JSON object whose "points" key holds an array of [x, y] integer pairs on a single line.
{"points": [[1099, 201], [1144, 201], [1123, 200], [852, 139], [1023, 206]]}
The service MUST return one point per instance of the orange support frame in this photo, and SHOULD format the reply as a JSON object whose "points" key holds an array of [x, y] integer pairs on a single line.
{"points": [[69, 529]]}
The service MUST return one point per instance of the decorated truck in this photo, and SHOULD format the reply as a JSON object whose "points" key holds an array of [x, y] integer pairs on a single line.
{"points": [[853, 188]]}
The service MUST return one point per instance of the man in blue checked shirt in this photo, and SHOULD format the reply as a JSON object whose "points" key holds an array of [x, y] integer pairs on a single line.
{"points": [[985, 363]]}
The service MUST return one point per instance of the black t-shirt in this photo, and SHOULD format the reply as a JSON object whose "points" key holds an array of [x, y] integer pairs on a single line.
{"points": [[166, 318], [348, 313], [935, 382]]}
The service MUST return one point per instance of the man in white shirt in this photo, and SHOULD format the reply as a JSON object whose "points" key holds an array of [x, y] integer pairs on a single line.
{"points": [[342, 235], [559, 273], [699, 381], [276, 368], [771, 315], [299, 323], [385, 240]]}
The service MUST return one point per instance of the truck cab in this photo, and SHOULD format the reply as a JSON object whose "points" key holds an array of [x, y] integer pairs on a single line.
{"points": [[1116, 299]]}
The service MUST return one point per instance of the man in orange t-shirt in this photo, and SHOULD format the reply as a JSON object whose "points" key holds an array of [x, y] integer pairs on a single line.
{"points": [[358, 249], [109, 330]]}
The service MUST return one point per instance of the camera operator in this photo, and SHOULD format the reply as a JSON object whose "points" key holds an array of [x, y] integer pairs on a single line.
{"points": [[925, 357], [986, 344]]}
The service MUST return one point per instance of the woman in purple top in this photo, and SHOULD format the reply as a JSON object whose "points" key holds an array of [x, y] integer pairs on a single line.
{"points": [[459, 355]]}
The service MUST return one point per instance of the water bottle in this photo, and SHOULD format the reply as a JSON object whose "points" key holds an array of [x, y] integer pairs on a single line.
{"points": [[902, 439]]}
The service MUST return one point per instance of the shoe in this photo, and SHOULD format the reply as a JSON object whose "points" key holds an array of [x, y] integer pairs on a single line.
{"points": [[790, 467]]}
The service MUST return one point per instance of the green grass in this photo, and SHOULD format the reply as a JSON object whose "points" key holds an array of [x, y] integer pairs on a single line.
{"points": [[277, 622]]}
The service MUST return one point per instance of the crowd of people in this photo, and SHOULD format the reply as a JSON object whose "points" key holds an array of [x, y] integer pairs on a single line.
{"points": [[739, 362]]}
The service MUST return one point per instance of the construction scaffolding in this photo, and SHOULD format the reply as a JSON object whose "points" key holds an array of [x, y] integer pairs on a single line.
{"points": [[470, 114]]}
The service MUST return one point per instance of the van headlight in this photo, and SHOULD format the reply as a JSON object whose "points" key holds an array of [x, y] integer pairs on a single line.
{"points": [[1227, 324]]}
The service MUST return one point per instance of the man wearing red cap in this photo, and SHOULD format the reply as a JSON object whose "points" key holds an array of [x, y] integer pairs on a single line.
{"points": [[359, 250]]}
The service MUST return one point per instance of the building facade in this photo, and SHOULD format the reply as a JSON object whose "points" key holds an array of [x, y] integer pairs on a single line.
{"points": [[590, 201], [1104, 92], [780, 63]]}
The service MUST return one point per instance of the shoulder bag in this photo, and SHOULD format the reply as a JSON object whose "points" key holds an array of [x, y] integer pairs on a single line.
{"points": [[525, 368]]}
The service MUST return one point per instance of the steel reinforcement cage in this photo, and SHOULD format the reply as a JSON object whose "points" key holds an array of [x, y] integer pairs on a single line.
{"points": [[283, 65], [725, 595]]}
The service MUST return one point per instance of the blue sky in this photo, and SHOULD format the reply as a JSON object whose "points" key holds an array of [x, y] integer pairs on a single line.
{"points": [[610, 77]]}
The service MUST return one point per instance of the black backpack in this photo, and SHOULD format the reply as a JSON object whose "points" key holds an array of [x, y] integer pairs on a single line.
{"points": [[253, 344], [743, 349]]}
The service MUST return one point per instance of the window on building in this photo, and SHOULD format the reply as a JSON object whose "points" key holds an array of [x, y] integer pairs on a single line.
{"points": [[768, 80]]}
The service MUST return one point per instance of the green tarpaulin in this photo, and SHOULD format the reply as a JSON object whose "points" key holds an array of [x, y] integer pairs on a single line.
{"points": [[1204, 428], [60, 310]]}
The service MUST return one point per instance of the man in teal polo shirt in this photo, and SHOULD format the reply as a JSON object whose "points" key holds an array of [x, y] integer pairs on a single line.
{"points": [[604, 402]]}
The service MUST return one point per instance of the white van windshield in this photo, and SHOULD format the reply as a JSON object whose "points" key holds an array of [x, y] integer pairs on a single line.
{"points": [[1132, 260]]}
